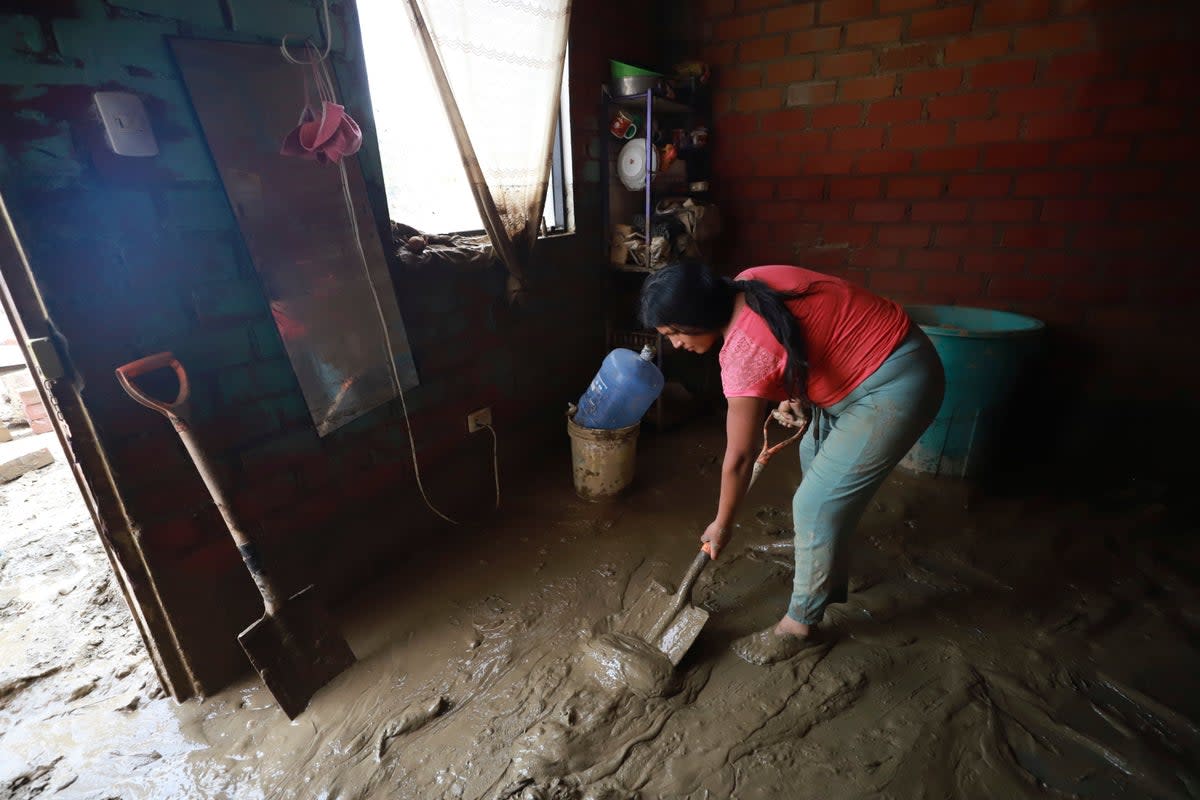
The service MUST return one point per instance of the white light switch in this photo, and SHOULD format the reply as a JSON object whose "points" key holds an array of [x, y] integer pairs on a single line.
{"points": [[126, 123]]}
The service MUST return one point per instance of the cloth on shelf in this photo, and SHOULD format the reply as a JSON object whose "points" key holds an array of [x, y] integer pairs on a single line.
{"points": [[679, 228]]}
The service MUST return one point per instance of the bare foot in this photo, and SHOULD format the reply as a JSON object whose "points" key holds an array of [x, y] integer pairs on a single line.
{"points": [[777, 643]]}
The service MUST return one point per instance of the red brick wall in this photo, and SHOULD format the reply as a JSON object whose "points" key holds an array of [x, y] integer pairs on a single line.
{"points": [[1034, 155]]}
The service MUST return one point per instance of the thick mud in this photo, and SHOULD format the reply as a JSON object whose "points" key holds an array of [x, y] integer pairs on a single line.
{"points": [[79, 700], [1024, 648]]}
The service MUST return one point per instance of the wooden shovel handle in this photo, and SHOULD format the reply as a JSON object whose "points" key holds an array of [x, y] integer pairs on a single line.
{"points": [[176, 412], [127, 372]]}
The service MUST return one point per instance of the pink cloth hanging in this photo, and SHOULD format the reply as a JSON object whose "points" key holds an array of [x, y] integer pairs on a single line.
{"points": [[328, 136]]}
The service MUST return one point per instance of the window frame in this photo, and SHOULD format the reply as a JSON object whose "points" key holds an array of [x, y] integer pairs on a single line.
{"points": [[559, 203]]}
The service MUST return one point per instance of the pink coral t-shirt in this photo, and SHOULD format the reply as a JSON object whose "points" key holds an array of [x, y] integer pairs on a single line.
{"points": [[847, 330]]}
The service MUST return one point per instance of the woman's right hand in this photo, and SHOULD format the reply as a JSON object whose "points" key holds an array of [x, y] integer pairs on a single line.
{"points": [[715, 537]]}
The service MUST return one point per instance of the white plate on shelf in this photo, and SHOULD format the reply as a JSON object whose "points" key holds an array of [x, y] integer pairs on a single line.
{"points": [[631, 164]]}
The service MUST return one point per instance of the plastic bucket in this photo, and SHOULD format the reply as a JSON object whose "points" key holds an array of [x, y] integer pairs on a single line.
{"points": [[602, 461], [984, 352]]}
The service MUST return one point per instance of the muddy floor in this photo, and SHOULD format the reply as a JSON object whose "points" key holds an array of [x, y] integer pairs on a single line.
{"points": [[1039, 646]]}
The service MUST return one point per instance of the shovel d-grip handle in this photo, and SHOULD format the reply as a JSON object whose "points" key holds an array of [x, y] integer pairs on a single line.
{"points": [[143, 366], [769, 449]]}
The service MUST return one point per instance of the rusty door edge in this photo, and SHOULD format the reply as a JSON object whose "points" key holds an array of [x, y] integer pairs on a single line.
{"points": [[22, 302]]}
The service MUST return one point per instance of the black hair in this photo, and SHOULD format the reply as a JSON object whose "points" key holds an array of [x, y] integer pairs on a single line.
{"points": [[689, 298]]}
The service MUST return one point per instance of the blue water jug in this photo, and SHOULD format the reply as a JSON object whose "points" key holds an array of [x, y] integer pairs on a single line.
{"points": [[622, 390]]}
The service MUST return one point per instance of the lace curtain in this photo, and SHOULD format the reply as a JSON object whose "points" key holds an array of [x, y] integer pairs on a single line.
{"points": [[498, 65]]}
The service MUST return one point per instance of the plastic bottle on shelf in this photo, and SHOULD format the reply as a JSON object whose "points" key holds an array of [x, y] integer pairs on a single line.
{"points": [[626, 385]]}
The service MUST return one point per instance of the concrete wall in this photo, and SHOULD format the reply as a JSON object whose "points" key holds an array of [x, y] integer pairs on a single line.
{"points": [[134, 256], [1032, 155]]}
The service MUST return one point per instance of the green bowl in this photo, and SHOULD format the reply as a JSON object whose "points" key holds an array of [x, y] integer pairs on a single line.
{"points": [[622, 70]]}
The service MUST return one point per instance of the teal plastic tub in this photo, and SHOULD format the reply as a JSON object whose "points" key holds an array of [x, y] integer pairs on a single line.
{"points": [[984, 353]]}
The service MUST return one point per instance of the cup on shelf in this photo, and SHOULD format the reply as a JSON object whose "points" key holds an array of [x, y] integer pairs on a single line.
{"points": [[623, 125]]}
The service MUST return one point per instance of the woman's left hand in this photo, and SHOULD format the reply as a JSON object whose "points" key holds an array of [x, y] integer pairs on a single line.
{"points": [[716, 536], [791, 414]]}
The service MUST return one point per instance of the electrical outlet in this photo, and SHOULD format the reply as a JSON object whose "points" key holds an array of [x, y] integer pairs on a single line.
{"points": [[478, 420], [125, 122]]}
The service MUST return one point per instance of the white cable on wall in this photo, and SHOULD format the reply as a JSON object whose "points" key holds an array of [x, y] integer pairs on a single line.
{"points": [[325, 88], [318, 57], [387, 338], [495, 461]]}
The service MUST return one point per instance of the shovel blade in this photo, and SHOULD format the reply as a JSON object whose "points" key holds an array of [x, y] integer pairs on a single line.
{"points": [[677, 639], [645, 612], [296, 650]]}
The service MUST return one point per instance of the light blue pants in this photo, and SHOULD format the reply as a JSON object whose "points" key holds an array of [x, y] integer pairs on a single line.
{"points": [[847, 453]]}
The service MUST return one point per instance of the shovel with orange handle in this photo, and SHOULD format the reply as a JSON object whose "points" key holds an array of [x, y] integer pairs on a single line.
{"points": [[294, 646]]}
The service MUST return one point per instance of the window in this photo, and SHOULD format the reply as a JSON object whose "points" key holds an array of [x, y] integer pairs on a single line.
{"points": [[422, 170]]}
